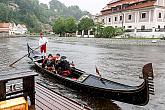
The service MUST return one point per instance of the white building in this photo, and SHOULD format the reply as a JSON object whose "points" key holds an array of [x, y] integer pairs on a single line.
{"points": [[19, 29], [135, 15]]}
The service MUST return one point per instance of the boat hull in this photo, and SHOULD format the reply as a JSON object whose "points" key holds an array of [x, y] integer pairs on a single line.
{"points": [[137, 96]]}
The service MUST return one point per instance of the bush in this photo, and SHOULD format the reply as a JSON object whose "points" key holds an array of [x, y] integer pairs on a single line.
{"points": [[109, 32]]}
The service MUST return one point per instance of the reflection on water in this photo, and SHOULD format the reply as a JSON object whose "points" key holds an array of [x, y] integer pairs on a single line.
{"points": [[121, 63]]}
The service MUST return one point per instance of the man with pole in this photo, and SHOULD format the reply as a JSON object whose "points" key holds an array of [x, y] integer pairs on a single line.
{"points": [[43, 42]]}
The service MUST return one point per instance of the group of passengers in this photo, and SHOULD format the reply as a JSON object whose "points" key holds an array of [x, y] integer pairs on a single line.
{"points": [[57, 64]]}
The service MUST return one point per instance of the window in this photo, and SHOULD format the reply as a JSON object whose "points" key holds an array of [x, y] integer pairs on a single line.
{"points": [[129, 26], [120, 18], [164, 27], [159, 15], [158, 26], [109, 19], [115, 18], [142, 27], [129, 17], [102, 20], [143, 15]]}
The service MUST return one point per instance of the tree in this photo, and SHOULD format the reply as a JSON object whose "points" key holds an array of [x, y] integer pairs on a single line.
{"points": [[70, 25], [98, 29], [4, 12], [59, 26], [85, 24]]}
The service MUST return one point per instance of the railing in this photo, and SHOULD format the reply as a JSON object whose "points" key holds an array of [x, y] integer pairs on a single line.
{"points": [[144, 30]]}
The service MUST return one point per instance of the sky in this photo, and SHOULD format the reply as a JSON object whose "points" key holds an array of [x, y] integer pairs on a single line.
{"points": [[92, 6]]}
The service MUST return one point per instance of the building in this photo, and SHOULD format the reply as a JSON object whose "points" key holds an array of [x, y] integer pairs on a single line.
{"points": [[12, 29], [19, 29], [6, 28], [134, 15]]}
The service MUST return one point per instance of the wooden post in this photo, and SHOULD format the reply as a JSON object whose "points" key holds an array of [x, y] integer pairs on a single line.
{"points": [[29, 88], [2, 91]]}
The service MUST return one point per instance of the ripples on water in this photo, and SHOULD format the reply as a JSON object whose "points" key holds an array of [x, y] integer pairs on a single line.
{"points": [[121, 63]]}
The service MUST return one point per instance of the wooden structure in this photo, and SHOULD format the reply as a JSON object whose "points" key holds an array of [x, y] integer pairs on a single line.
{"points": [[100, 87], [14, 104], [28, 84], [47, 99]]}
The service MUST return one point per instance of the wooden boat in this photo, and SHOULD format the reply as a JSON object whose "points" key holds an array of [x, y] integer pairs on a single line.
{"points": [[100, 87]]}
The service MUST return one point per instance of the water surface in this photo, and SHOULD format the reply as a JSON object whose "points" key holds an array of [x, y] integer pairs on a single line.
{"points": [[122, 63]]}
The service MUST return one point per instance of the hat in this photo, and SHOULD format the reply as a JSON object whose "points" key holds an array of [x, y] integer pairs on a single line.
{"points": [[50, 55], [57, 54], [63, 57], [41, 33]]}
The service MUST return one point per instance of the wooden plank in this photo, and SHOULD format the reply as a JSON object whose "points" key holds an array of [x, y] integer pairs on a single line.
{"points": [[19, 75], [59, 98], [52, 102], [2, 91], [48, 103], [41, 105]]}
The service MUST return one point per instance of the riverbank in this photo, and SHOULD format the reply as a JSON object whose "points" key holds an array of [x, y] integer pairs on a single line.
{"points": [[98, 41], [114, 41]]}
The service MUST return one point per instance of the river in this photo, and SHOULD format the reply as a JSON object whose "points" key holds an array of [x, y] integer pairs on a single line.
{"points": [[118, 62]]}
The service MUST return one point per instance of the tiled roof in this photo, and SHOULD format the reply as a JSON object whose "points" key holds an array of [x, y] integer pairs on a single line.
{"points": [[137, 6], [4, 25]]}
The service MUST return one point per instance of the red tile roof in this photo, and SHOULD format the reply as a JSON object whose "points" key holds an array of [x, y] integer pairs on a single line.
{"points": [[4, 25], [137, 6]]}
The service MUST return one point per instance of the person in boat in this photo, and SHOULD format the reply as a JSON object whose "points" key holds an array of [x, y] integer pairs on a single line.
{"points": [[63, 67], [43, 43], [49, 63]]}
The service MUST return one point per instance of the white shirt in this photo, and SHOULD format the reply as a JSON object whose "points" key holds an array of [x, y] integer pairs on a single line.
{"points": [[42, 41]]}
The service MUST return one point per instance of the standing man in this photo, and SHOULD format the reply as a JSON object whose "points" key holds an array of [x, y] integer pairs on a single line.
{"points": [[43, 42]]}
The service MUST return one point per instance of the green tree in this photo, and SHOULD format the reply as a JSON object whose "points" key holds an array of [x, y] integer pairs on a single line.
{"points": [[98, 29], [59, 26], [85, 24], [108, 32], [70, 25], [4, 12]]}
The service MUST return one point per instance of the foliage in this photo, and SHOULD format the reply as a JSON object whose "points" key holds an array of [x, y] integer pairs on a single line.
{"points": [[85, 24], [62, 26], [119, 31], [34, 14], [70, 25], [4, 13], [59, 26], [108, 32], [60, 9], [98, 29]]}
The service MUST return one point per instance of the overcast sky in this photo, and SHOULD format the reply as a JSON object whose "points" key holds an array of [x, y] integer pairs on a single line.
{"points": [[92, 6]]}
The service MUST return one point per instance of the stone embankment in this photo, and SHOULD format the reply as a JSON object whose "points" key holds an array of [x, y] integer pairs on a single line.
{"points": [[139, 42]]}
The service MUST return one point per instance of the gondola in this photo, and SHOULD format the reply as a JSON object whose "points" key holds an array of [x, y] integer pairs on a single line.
{"points": [[101, 87]]}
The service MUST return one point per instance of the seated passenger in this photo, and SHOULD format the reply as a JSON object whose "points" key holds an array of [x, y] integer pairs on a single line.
{"points": [[49, 62], [63, 67]]}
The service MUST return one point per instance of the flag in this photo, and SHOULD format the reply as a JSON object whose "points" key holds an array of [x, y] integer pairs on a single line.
{"points": [[97, 71], [72, 64]]}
